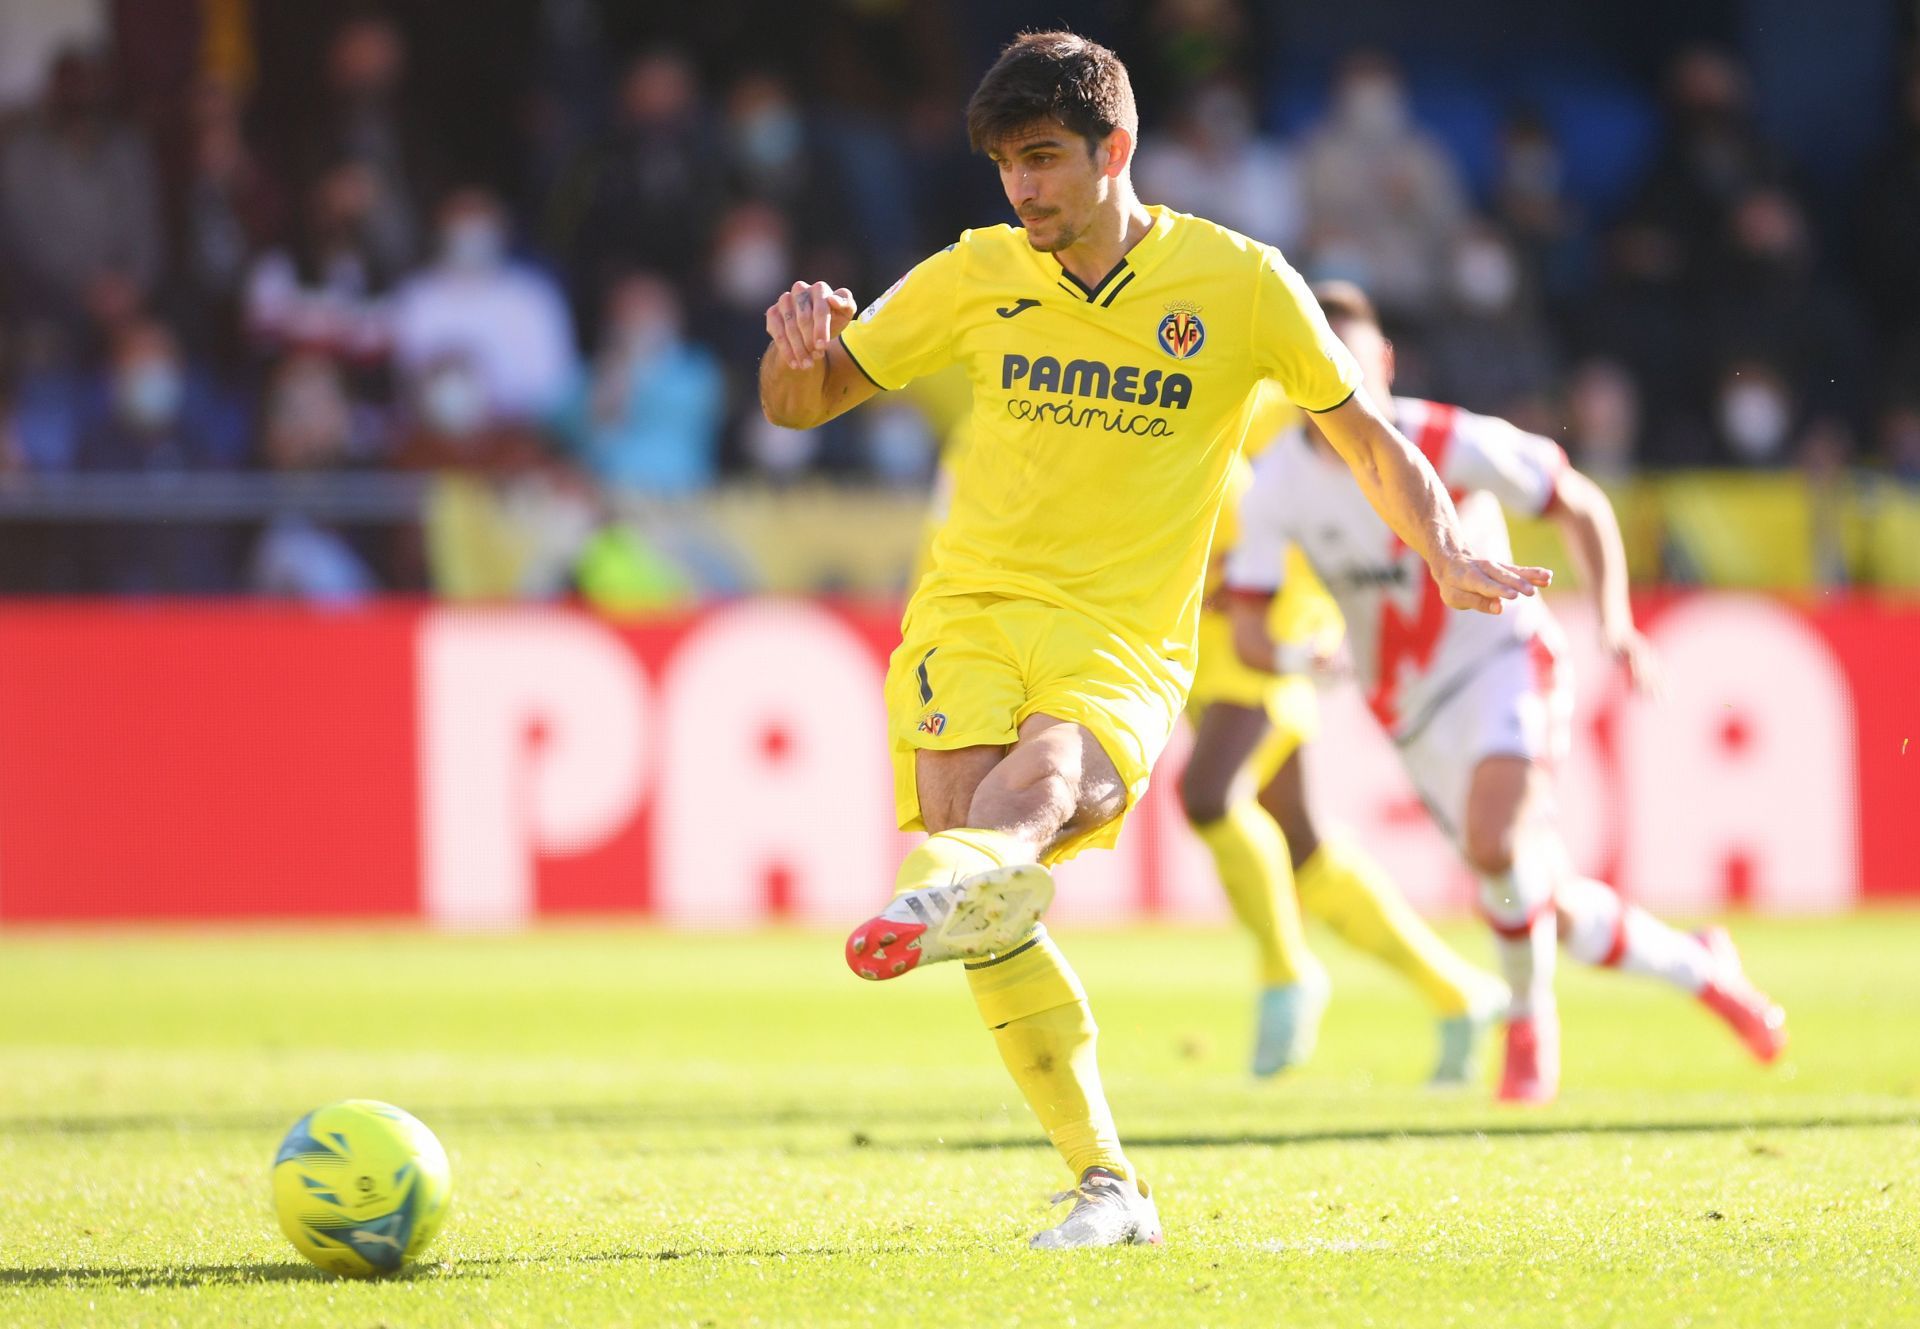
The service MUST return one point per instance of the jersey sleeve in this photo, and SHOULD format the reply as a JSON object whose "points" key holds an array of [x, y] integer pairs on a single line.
{"points": [[1257, 563], [909, 330], [1522, 470], [1292, 342]]}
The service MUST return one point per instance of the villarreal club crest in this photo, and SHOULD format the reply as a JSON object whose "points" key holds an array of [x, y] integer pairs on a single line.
{"points": [[1181, 332]]}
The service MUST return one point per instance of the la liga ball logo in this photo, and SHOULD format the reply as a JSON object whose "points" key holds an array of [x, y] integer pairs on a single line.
{"points": [[1181, 333]]}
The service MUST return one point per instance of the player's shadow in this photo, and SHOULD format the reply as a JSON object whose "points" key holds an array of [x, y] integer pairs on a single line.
{"points": [[1465, 1130], [141, 1278]]}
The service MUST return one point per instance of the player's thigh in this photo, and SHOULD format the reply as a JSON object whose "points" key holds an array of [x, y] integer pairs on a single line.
{"points": [[953, 693], [1056, 775], [948, 780], [1284, 796], [1225, 737]]}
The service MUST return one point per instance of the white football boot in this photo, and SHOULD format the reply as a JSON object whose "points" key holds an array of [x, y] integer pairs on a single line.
{"points": [[1462, 1037], [987, 914], [1107, 1211]]}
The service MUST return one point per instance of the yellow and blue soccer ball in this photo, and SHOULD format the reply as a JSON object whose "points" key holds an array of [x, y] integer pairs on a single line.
{"points": [[360, 1187]]}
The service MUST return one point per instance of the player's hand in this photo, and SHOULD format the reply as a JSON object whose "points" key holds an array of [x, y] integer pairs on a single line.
{"points": [[1484, 584], [805, 319], [1642, 663]]}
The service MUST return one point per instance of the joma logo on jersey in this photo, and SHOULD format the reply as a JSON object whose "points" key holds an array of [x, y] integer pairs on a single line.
{"points": [[1182, 333], [1092, 378]]}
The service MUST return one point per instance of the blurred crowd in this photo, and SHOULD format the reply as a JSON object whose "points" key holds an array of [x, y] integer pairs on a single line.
{"points": [[193, 284]]}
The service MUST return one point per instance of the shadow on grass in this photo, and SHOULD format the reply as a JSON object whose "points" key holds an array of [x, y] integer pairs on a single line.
{"points": [[140, 1278], [613, 1115], [1466, 1130]]}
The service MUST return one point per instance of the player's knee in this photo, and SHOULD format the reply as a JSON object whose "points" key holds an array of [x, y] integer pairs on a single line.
{"points": [[1488, 848], [1202, 799]]}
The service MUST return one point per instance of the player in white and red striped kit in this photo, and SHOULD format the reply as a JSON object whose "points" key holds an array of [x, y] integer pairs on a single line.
{"points": [[1478, 704]]}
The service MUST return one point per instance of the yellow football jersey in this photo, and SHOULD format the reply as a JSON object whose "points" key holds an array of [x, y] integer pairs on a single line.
{"points": [[1105, 419]]}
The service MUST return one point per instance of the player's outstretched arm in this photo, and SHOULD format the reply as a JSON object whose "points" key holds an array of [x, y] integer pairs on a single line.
{"points": [[1410, 498], [806, 378], [1588, 524]]}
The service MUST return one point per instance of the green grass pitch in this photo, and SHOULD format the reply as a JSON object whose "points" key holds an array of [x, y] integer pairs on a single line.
{"points": [[654, 1129]]}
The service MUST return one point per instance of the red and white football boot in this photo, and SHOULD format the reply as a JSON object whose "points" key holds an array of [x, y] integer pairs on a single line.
{"points": [[1757, 1018], [986, 914]]}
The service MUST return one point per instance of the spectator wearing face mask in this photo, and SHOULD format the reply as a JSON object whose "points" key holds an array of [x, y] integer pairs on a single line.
{"points": [[79, 203], [1754, 415], [449, 424], [649, 415], [1492, 351], [1770, 302], [1218, 164], [507, 321], [159, 415], [1384, 200]]}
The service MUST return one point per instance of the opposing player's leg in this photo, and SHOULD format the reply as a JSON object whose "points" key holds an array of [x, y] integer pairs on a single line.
{"points": [[1512, 849], [1599, 928], [1340, 884], [1256, 872]]}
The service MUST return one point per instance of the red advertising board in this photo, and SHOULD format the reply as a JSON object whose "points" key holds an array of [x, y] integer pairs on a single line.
{"points": [[486, 767]]}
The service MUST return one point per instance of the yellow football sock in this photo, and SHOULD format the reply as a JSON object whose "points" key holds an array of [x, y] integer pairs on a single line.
{"points": [[942, 858], [1033, 1002], [1344, 888], [1250, 854]]}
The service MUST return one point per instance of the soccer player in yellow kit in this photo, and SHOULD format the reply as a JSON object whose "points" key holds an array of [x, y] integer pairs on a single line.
{"points": [[1114, 350], [1243, 794]]}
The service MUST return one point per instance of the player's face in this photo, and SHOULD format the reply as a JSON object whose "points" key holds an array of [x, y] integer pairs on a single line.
{"points": [[1055, 181], [1374, 353]]}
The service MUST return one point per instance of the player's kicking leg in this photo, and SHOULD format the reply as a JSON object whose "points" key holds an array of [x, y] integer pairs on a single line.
{"points": [[974, 891], [1340, 884], [1251, 857], [1599, 928]]}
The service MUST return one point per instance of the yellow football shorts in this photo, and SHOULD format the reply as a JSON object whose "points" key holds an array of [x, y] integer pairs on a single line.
{"points": [[971, 668], [1291, 704]]}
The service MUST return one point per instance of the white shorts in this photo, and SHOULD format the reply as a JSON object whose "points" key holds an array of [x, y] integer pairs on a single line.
{"points": [[1518, 703]]}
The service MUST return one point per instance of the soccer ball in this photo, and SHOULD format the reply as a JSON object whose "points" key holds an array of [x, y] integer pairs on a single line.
{"points": [[360, 1187]]}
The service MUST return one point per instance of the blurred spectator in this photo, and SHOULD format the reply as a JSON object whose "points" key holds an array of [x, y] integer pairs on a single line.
{"points": [[1216, 164], [160, 415], [1603, 420], [648, 192], [649, 416], [1491, 353], [329, 290], [1384, 201], [1900, 440], [1892, 221], [506, 320], [765, 142], [79, 213], [451, 425], [228, 210], [752, 263], [1770, 303], [1642, 317], [1754, 414], [1531, 204], [310, 423], [1712, 154], [362, 118]]}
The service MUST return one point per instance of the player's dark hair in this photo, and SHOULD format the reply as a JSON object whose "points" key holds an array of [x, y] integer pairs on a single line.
{"points": [[1052, 76], [1342, 300]]}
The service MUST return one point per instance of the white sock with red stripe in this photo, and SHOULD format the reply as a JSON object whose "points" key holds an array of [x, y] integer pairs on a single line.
{"points": [[1602, 929], [1518, 904]]}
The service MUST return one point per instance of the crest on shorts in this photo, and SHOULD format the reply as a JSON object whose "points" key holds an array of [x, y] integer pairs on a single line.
{"points": [[935, 724], [1181, 333]]}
